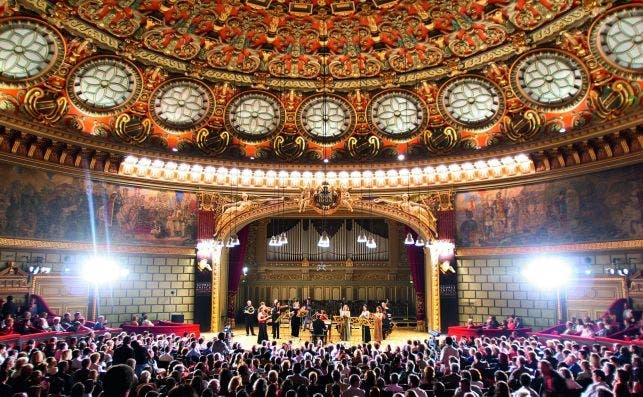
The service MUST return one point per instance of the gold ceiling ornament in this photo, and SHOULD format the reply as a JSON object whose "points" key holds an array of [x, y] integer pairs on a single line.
{"points": [[132, 128], [45, 106], [181, 104], [110, 16], [212, 142], [440, 140], [363, 147], [254, 116], [442, 200], [520, 127], [289, 147], [608, 102], [575, 42]]}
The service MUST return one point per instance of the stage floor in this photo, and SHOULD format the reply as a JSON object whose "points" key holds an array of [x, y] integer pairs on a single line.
{"points": [[398, 337]]}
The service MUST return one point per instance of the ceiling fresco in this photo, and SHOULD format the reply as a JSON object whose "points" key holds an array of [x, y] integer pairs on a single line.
{"points": [[303, 81]]}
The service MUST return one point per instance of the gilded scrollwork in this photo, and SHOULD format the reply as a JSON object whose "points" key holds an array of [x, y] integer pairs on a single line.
{"points": [[212, 142], [45, 106], [131, 128]]}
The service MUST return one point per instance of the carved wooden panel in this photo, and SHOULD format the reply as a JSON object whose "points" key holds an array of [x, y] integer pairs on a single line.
{"points": [[63, 293], [591, 297]]}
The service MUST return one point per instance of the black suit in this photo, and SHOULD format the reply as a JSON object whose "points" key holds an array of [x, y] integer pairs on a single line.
{"points": [[122, 354], [274, 316], [249, 315], [319, 329]]}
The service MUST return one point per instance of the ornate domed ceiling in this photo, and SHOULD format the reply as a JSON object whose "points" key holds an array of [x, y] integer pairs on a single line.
{"points": [[301, 81]]}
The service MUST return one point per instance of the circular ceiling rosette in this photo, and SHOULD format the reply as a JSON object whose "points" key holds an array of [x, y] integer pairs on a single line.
{"points": [[104, 85], [397, 115], [254, 116], [180, 105], [326, 119], [616, 40], [550, 80], [471, 102], [30, 51]]}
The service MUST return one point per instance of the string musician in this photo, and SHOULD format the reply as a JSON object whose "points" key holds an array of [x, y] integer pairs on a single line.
{"points": [[295, 320], [387, 320], [263, 314], [249, 318], [275, 314]]}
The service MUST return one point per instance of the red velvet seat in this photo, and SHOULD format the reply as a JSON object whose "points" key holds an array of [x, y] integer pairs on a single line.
{"points": [[475, 332]]}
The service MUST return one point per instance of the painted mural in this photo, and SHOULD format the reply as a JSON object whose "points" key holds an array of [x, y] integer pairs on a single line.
{"points": [[604, 206], [49, 206]]}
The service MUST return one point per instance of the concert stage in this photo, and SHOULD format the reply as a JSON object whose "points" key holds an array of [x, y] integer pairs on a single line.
{"points": [[397, 338]]}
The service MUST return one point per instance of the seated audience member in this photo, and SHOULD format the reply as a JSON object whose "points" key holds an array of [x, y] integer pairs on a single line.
{"points": [[56, 326], [511, 324], [147, 322], [7, 328], [134, 321], [470, 323], [99, 325], [569, 329], [66, 321], [586, 331], [492, 323], [24, 325]]}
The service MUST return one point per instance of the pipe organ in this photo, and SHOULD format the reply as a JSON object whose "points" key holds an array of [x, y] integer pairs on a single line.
{"points": [[302, 245]]}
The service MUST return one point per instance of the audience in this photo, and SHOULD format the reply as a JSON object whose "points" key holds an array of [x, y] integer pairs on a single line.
{"points": [[147, 365]]}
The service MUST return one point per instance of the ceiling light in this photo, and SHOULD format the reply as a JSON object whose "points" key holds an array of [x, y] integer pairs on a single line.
{"points": [[419, 242], [283, 240], [326, 161], [273, 242], [409, 239], [401, 156]]}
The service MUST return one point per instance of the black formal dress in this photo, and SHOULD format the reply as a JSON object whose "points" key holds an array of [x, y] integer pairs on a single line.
{"points": [[263, 327], [319, 330], [295, 322]]}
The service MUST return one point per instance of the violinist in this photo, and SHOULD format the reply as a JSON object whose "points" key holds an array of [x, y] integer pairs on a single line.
{"points": [[275, 313], [262, 318]]}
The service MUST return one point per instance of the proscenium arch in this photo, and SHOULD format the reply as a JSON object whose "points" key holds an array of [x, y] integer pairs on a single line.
{"points": [[225, 226]]}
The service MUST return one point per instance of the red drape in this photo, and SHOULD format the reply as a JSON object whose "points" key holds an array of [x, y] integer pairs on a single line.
{"points": [[446, 225], [235, 268], [415, 256], [205, 225]]}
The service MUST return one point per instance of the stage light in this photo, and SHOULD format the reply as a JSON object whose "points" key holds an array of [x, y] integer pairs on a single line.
{"points": [[548, 272], [99, 270]]}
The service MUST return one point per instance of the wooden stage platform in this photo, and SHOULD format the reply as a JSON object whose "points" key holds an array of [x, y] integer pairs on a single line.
{"points": [[398, 337]]}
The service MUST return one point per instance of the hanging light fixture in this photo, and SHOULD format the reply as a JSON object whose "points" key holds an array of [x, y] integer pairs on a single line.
{"points": [[283, 240], [370, 243], [409, 239], [324, 240], [361, 237], [273, 242], [419, 242]]}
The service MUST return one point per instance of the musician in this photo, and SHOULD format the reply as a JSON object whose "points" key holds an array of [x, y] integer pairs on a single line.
{"points": [[323, 315], [387, 320], [366, 329], [295, 320], [249, 318], [308, 319], [275, 313], [345, 321], [319, 328], [263, 314]]}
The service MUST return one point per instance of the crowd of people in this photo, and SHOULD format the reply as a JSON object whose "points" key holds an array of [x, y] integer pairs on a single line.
{"points": [[28, 319], [146, 365], [606, 325]]}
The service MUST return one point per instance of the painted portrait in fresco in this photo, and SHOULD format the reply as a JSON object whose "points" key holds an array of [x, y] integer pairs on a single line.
{"points": [[42, 205], [605, 206]]}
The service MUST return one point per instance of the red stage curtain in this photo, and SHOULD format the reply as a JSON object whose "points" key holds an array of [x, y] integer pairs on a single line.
{"points": [[235, 268], [415, 256]]}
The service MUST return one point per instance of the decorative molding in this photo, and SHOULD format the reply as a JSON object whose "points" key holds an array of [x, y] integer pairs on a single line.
{"points": [[89, 247], [541, 249]]}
